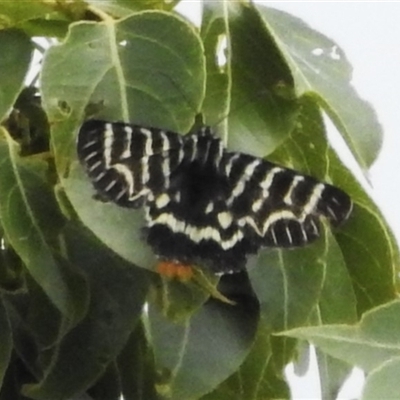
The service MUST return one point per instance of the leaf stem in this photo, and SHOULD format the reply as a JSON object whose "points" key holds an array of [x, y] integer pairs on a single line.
{"points": [[101, 14]]}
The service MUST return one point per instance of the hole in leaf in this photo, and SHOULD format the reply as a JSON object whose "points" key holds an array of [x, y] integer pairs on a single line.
{"points": [[334, 54], [317, 52], [222, 49], [64, 107], [92, 45]]}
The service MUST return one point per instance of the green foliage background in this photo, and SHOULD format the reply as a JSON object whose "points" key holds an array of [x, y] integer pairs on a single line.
{"points": [[82, 314]]}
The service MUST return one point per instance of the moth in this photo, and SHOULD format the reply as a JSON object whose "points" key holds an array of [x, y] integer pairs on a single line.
{"points": [[204, 205]]}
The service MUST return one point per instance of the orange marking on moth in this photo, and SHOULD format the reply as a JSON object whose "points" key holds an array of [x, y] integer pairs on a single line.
{"points": [[175, 269]]}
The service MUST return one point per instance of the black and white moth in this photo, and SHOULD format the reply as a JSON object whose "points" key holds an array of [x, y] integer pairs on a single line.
{"points": [[204, 205]]}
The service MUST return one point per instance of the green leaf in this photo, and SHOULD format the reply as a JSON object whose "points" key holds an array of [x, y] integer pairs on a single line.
{"points": [[40, 18], [319, 66], [214, 28], [108, 387], [136, 366], [123, 8], [288, 283], [337, 304], [118, 293], [10, 388], [42, 320], [11, 269], [332, 374], [196, 355], [16, 49], [371, 254], [368, 344], [31, 220], [356, 278], [25, 352], [255, 84], [257, 378], [119, 228], [37, 328], [263, 106], [6, 342], [301, 363], [178, 300], [48, 28], [17, 11], [366, 242], [383, 382], [147, 69], [339, 298]]}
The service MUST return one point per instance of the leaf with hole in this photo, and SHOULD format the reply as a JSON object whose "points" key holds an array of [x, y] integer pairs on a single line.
{"points": [[147, 69], [320, 68]]}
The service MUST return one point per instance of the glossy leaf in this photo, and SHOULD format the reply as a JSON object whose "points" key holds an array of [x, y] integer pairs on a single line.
{"points": [[147, 69], [320, 66], [370, 343], [118, 292], [202, 351], [31, 221], [16, 50]]}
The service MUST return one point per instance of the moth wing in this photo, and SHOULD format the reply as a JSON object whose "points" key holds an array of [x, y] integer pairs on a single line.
{"points": [[128, 164], [283, 207]]}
